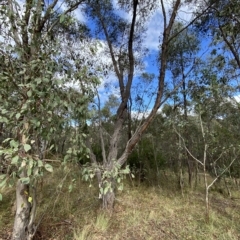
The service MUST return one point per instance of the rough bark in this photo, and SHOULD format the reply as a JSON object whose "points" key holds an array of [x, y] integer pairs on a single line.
{"points": [[21, 229], [108, 200]]}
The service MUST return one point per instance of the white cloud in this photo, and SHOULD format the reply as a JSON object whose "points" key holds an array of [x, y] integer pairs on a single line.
{"points": [[80, 16], [101, 58], [155, 24], [237, 98], [154, 29], [78, 13]]}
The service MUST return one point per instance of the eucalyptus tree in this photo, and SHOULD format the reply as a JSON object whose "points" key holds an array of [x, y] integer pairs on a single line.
{"points": [[182, 60], [212, 94], [123, 40], [222, 22], [33, 93]]}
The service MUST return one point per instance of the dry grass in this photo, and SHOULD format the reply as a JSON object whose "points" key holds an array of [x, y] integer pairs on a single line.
{"points": [[140, 213]]}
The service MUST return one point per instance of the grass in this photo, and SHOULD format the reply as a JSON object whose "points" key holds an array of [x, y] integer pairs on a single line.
{"points": [[140, 212]]}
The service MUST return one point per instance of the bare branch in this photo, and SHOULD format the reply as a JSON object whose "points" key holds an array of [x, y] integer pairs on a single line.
{"points": [[189, 24], [234, 52], [70, 9], [47, 14], [16, 36], [221, 173], [187, 148], [164, 15], [100, 130]]}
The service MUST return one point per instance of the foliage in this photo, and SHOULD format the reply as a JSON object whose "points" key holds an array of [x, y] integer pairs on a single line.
{"points": [[110, 179]]}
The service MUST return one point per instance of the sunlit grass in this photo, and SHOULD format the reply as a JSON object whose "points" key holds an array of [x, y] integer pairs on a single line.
{"points": [[83, 234], [102, 222]]}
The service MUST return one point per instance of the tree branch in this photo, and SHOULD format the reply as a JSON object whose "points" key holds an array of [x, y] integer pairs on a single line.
{"points": [[189, 24], [13, 23], [235, 54], [70, 9], [186, 147]]}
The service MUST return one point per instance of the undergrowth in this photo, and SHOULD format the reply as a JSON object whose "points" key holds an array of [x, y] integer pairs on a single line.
{"points": [[140, 212]]}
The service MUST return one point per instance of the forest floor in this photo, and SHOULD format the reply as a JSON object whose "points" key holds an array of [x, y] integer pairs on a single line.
{"points": [[140, 212]]}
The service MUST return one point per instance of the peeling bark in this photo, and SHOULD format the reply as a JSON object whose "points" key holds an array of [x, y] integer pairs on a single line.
{"points": [[23, 208], [108, 201]]}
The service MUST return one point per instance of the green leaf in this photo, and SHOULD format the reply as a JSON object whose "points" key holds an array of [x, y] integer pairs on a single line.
{"points": [[3, 183], [62, 18], [1, 197], [48, 167], [40, 163], [70, 187], [39, 80], [3, 120], [6, 140], [29, 171], [18, 115], [2, 176], [120, 187], [13, 144], [30, 164], [35, 171], [15, 159], [29, 93], [26, 147], [66, 157], [25, 180]]}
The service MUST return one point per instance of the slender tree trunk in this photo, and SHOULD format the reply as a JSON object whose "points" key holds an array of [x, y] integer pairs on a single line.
{"points": [[180, 174], [189, 163], [108, 200], [21, 230], [181, 181], [190, 171], [196, 175], [228, 189], [24, 228], [206, 197]]}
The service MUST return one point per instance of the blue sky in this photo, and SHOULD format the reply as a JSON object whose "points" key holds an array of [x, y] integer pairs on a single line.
{"points": [[154, 28]]}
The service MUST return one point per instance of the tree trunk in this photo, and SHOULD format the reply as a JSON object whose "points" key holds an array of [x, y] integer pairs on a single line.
{"points": [[228, 189], [108, 200], [190, 171], [21, 229], [181, 180], [197, 178]]}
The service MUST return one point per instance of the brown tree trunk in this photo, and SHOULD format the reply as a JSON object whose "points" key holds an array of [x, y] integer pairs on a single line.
{"points": [[190, 170]]}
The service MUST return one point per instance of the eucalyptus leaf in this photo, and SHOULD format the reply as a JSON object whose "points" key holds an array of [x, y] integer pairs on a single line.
{"points": [[3, 183], [15, 159], [48, 167], [18, 115], [26, 147], [25, 180]]}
